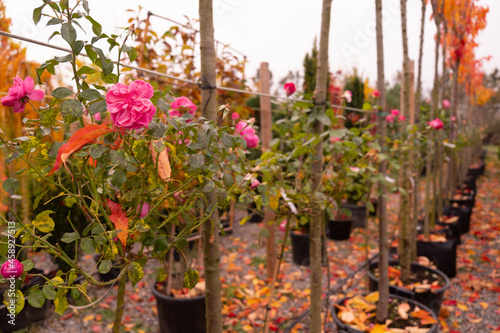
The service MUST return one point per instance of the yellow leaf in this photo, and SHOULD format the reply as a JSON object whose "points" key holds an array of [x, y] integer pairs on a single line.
{"points": [[88, 318], [274, 201], [463, 307], [379, 329], [44, 222], [484, 305], [372, 297]]}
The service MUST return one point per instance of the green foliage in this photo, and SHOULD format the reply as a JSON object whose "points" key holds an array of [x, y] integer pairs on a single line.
{"points": [[310, 68]]}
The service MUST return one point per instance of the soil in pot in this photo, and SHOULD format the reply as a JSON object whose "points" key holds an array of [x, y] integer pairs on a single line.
{"points": [[452, 223], [180, 314], [463, 212], [300, 248], [442, 251], [358, 314], [358, 214], [427, 285], [339, 228]]}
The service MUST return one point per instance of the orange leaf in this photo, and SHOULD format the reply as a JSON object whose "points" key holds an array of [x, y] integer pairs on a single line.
{"points": [[379, 329], [81, 137], [164, 169], [120, 220], [403, 309]]}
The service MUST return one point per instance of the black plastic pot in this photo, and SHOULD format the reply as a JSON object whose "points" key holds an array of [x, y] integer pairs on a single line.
{"points": [[256, 216], [339, 229], [300, 248], [455, 229], [342, 327], [476, 172], [28, 315], [443, 254], [464, 213], [358, 214], [430, 298], [470, 183], [469, 202], [180, 314]]}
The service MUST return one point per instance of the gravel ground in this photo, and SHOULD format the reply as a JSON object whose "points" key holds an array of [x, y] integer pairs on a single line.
{"points": [[472, 304]]}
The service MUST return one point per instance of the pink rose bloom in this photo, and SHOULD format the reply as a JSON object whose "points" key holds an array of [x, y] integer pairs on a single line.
{"points": [[129, 106], [254, 182], [144, 210], [289, 88], [437, 124], [248, 133], [12, 268], [376, 94], [428, 101], [445, 103], [354, 169], [453, 119], [348, 96], [390, 118], [235, 116], [395, 112], [182, 105], [96, 116], [283, 225], [20, 93], [334, 139], [401, 118]]}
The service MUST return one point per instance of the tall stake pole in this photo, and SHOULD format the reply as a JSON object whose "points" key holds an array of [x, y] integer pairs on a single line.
{"points": [[211, 247]]}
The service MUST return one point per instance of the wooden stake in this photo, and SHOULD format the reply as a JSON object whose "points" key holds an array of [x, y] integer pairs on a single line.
{"points": [[266, 137]]}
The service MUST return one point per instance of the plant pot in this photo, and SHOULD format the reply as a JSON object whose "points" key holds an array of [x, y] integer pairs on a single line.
{"points": [[300, 248], [28, 315], [111, 275], [339, 229], [443, 254], [255, 216], [464, 213], [358, 214], [431, 299], [476, 171], [455, 229], [469, 202], [342, 327], [180, 314]]}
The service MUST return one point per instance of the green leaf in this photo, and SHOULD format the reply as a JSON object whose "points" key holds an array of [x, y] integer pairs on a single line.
{"points": [[28, 265], [86, 6], [119, 177], [61, 302], [367, 106], [38, 198], [36, 298], [191, 278], [161, 244], [96, 27], [66, 58], [69, 201], [99, 106], [90, 94], [109, 78], [75, 293], [85, 70], [54, 21], [44, 222], [18, 299], [68, 32], [163, 105], [209, 186], [10, 185], [77, 47], [71, 110], [228, 180], [88, 245], [105, 266], [61, 92], [196, 161], [68, 237], [97, 150], [48, 292], [135, 272], [37, 14]]}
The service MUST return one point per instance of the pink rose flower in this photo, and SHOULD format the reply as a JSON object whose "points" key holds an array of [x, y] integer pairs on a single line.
{"points": [[129, 106], [428, 101], [12, 268], [445, 103], [348, 96], [390, 118], [144, 210], [235, 116], [20, 93], [254, 182], [401, 118], [96, 116], [376, 94], [289, 88], [248, 133], [283, 225], [453, 119], [334, 139], [395, 112], [354, 169], [437, 124], [182, 105]]}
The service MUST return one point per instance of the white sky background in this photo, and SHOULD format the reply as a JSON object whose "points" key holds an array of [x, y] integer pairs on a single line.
{"points": [[280, 31]]}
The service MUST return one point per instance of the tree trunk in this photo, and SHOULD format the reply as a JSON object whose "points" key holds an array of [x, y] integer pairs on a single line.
{"points": [[453, 134], [317, 170], [405, 221], [383, 256], [211, 249]]}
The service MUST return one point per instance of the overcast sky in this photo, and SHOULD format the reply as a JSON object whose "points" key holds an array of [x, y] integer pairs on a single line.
{"points": [[281, 31]]}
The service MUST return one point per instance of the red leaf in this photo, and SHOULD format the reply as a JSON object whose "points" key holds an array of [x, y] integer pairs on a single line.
{"points": [[81, 137], [120, 220]]}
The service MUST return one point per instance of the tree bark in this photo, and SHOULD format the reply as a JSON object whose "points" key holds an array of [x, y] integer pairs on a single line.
{"points": [[211, 247], [383, 256], [317, 171], [405, 221]]}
